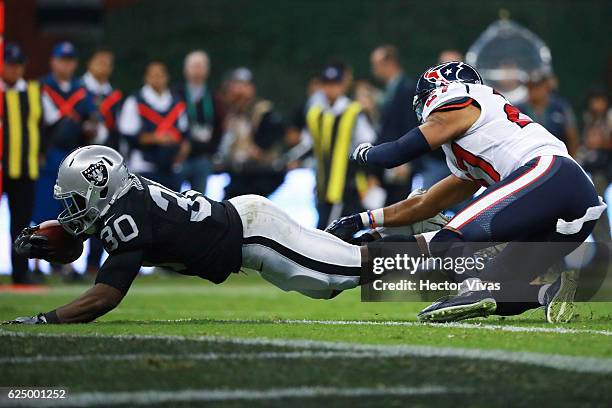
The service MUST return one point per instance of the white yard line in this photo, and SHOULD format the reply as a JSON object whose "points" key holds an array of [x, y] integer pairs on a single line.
{"points": [[90, 399], [477, 326], [289, 355], [469, 326], [560, 362]]}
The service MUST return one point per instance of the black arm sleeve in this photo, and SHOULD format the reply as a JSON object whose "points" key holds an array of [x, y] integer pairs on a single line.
{"points": [[120, 270], [408, 147]]}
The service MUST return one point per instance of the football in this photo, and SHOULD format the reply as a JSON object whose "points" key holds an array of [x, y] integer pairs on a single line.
{"points": [[68, 248]]}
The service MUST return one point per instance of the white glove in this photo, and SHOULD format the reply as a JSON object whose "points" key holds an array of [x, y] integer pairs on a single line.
{"points": [[38, 319], [360, 155]]}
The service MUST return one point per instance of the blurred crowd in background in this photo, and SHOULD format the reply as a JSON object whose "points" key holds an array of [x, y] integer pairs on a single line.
{"points": [[182, 130]]}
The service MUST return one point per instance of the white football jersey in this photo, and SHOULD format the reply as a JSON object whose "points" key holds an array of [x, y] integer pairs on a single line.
{"points": [[499, 142]]}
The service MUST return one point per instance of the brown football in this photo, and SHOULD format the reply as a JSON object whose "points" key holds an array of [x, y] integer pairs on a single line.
{"points": [[68, 247]]}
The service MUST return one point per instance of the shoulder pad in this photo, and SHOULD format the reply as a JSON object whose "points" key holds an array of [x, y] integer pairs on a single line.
{"points": [[454, 96]]}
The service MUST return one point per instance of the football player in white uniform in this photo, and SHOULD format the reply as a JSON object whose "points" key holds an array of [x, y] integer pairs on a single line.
{"points": [[535, 192]]}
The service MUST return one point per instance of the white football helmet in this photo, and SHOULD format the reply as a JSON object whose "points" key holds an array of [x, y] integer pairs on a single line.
{"points": [[89, 180]]}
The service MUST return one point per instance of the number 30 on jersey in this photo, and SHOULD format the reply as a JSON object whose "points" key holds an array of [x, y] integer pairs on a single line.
{"points": [[125, 229]]}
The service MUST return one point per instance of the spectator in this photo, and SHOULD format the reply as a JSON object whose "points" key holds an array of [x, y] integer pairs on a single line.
{"points": [[106, 99], [449, 55], [205, 119], [155, 123], [597, 130], [368, 97], [253, 143], [108, 103], [70, 121], [550, 111], [297, 122], [299, 147], [596, 152], [69, 117], [21, 133], [334, 128], [397, 118]]}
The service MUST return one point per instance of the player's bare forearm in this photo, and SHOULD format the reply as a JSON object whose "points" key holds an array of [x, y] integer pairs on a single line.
{"points": [[92, 304], [442, 195]]}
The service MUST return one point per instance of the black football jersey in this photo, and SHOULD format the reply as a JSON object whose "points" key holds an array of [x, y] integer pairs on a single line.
{"points": [[151, 225]]}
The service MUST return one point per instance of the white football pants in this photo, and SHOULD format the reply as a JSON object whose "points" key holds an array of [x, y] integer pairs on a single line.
{"points": [[291, 256]]}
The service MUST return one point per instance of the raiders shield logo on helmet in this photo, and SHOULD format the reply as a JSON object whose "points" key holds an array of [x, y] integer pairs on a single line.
{"points": [[96, 174]]}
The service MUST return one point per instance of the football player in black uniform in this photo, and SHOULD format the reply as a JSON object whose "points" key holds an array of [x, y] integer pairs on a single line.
{"points": [[141, 222]]}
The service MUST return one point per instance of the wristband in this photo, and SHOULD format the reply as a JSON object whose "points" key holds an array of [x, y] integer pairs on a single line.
{"points": [[51, 317], [373, 219]]}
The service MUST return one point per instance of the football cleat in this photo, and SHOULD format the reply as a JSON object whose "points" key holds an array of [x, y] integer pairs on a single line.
{"points": [[463, 306], [559, 298]]}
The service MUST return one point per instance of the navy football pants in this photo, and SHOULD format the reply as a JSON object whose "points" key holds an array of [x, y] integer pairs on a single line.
{"points": [[545, 200]]}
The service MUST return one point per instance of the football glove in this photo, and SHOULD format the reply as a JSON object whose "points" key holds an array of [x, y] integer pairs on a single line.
{"points": [[38, 319], [360, 155], [364, 238], [33, 246], [345, 227]]}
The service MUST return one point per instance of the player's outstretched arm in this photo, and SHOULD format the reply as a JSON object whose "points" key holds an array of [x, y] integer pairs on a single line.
{"points": [[439, 128], [112, 283], [442, 195], [92, 304]]}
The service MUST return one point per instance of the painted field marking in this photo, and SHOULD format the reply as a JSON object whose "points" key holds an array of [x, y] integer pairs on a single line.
{"points": [[456, 325], [452, 325], [290, 355], [560, 362], [90, 399]]}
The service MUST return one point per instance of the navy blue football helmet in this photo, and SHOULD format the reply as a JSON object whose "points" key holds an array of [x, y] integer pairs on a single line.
{"points": [[441, 75]]}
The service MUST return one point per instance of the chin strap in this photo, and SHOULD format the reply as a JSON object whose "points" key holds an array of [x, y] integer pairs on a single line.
{"points": [[131, 182]]}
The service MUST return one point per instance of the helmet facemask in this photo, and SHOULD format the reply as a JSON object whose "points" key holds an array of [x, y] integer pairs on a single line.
{"points": [[78, 215], [419, 102]]}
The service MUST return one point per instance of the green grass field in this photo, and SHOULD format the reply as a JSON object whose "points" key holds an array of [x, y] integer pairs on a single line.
{"points": [[183, 342]]}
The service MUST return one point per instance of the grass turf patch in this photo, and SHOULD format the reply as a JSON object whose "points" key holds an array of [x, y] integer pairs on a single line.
{"points": [[247, 308], [171, 365]]}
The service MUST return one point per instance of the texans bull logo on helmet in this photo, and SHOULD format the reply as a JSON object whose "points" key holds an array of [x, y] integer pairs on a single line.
{"points": [[440, 76], [444, 74], [96, 174]]}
